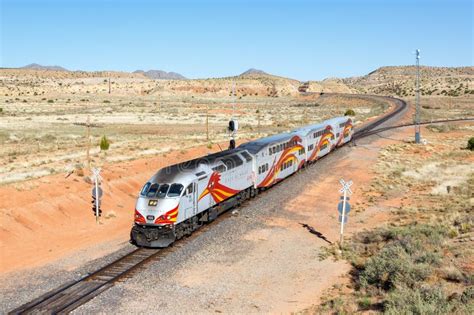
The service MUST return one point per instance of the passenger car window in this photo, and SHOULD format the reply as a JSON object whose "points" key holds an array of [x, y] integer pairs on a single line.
{"points": [[175, 190], [162, 191], [152, 191]]}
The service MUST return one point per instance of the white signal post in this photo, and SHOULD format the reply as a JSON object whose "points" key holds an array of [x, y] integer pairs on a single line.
{"points": [[344, 190], [97, 178]]}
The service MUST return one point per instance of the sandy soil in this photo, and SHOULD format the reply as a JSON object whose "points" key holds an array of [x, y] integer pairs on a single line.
{"points": [[237, 279], [41, 223]]}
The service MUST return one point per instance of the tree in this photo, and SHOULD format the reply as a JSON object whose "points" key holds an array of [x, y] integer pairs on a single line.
{"points": [[350, 112], [470, 144], [104, 143]]}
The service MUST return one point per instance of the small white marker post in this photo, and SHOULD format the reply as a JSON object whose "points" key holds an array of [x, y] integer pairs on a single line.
{"points": [[97, 178], [344, 190]]}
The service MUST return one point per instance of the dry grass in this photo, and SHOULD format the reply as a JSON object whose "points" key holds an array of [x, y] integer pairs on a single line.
{"points": [[422, 261], [140, 117]]}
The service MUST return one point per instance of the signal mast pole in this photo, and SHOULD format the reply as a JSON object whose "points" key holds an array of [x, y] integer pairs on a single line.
{"points": [[417, 114]]}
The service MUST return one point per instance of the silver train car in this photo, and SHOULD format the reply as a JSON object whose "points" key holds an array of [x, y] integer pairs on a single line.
{"points": [[179, 198]]}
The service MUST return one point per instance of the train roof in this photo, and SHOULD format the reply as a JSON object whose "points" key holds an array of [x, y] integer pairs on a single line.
{"points": [[257, 145], [188, 170], [309, 128]]}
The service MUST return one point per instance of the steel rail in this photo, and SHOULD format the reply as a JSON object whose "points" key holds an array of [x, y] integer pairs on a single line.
{"points": [[375, 131], [73, 294]]}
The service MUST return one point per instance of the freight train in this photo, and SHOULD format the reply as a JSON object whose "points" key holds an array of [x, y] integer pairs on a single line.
{"points": [[180, 198]]}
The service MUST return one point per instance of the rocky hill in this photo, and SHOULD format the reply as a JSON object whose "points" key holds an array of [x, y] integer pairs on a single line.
{"points": [[400, 81], [253, 71], [161, 75], [35, 66], [395, 81]]}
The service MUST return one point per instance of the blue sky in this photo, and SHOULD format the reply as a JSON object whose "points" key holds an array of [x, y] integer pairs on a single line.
{"points": [[299, 39]]}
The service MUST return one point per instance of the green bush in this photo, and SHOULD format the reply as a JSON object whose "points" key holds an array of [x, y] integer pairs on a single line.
{"points": [[1, 110], [470, 144], [393, 266], [50, 101], [349, 112], [417, 301], [408, 256], [104, 143]]}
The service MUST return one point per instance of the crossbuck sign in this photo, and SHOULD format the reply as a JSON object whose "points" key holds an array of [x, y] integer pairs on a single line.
{"points": [[346, 187]]}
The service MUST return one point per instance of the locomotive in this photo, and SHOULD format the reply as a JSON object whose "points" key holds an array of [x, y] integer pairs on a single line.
{"points": [[180, 198]]}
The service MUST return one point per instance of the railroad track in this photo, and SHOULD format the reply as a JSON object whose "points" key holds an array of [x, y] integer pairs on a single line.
{"points": [[73, 294], [76, 293]]}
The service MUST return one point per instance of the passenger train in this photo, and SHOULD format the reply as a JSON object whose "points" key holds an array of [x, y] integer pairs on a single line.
{"points": [[181, 197]]}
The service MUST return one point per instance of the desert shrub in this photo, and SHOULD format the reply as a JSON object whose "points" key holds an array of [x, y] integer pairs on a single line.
{"points": [[104, 143], [470, 144], [106, 101], [439, 128], [409, 254], [364, 303], [1, 110], [426, 300], [50, 101], [393, 266], [349, 112]]}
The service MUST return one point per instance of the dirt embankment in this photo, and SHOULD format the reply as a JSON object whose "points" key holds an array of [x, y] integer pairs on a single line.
{"points": [[45, 219]]}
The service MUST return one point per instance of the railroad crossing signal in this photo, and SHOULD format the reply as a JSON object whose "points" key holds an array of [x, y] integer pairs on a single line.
{"points": [[344, 207], [340, 207], [345, 187], [96, 194], [96, 203]]}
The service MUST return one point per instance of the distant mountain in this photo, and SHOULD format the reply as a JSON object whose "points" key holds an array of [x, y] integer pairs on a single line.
{"points": [[161, 75], [35, 66], [253, 71]]}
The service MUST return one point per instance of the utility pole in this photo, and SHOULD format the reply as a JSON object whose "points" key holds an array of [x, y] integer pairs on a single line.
{"points": [[88, 141], [109, 85], [207, 122], [417, 114], [258, 119]]}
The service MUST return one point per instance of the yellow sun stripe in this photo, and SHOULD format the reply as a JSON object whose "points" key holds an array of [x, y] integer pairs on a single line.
{"points": [[223, 192]]}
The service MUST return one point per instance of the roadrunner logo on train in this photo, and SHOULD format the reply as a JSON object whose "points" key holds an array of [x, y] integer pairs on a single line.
{"points": [[180, 198]]}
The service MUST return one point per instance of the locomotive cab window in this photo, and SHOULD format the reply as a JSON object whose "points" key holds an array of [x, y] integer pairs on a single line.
{"points": [[189, 190], [153, 190], [162, 191], [145, 189], [175, 190]]}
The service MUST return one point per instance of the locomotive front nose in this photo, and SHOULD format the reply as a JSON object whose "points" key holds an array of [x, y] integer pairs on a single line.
{"points": [[156, 211]]}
